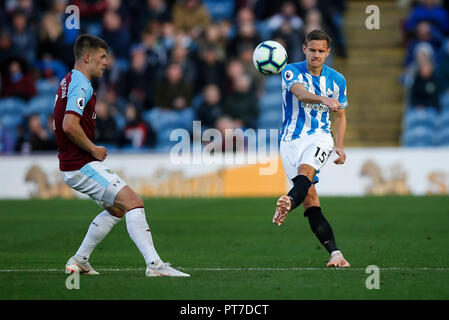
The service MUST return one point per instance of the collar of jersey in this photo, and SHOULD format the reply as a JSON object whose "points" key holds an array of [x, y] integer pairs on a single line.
{"points": [[82, 74]]}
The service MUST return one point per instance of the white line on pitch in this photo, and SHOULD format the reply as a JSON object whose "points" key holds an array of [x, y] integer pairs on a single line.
{"points": [[240, 269]]}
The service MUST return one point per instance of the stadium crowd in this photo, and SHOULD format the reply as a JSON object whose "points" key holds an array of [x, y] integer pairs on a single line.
{"points": [[170, 62], [426, 73]]}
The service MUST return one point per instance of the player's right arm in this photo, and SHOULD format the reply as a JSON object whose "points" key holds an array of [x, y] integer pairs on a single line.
{"points": [[293, 79], [307, 97], [72, 128], [79, 93]]}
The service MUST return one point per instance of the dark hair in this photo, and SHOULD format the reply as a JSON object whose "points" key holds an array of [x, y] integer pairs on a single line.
{"points": [[87, 42], [318, 35]]}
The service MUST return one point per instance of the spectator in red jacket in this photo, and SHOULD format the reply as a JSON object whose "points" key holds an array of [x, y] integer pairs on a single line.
{"points": [[17, 81]]}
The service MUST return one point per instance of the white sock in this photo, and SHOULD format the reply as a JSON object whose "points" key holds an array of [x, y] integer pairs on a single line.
{"points": [[140, 233], [98, 229]]}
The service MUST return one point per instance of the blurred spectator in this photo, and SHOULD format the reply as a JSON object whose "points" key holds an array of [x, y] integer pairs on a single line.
{"points": [[136, 132], [180, 56], [40, 139], [116, 36], [286, 16], [247, 36], [305, 6], [91, 10], [5, 47], [423, 53], [234, 69], [211, 71], [289, 27], [17, 81], [332, 11], [70, 35], [443, 78], [173, 92], [213, 38], [137, 83], [210, 109], [423, 34], [257, 79], [111, 76], [430, 11], [425, 88], [106, 130], [156, 53], [236, 142], [191, 17], [313, 20], [23, 37], [242, 104], [155, 12], [51, 39]]}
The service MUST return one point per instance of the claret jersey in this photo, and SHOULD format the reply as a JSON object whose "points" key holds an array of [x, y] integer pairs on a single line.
{"points": [[75, 95]]}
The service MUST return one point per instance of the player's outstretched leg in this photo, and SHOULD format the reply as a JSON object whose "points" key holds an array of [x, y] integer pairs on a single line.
{"points": [[296, 195], [98, 229], [140, 233], [322, 229]]}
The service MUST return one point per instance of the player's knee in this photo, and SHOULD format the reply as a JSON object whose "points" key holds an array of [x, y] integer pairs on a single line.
{"points": [[134, 202], [116, 212], [307, 170]]}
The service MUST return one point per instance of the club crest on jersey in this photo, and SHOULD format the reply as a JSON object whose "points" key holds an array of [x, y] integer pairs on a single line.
{"points": [[80, 103]]}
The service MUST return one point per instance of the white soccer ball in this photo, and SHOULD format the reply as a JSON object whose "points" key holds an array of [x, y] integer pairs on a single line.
{"points": [[269, 57]]}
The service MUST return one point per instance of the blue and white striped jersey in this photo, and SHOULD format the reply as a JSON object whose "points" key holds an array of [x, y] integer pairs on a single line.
{"points": [[301, 118]]}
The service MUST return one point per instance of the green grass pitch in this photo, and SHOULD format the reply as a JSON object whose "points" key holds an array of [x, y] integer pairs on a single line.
{"points": [[232, 250]]}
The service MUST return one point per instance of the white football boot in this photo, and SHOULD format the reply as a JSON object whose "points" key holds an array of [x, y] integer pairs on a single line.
{"points": [[163, 269], [337, 260], [75, 266]]}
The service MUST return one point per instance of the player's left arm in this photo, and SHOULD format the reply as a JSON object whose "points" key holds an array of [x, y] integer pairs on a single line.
{"points": [[340, 122], [340, 130]]}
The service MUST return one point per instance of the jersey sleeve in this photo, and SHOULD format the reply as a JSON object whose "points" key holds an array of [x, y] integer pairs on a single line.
{"points": [[342, 89], [78, 95], [292, 76]]}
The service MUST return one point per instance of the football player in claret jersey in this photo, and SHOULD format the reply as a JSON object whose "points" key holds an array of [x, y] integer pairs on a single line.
{"points": [[82, 168], [310, 91]]}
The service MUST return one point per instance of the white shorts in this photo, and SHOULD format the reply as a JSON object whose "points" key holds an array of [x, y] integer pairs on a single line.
{"points": [[96, 181], [313, 150]]}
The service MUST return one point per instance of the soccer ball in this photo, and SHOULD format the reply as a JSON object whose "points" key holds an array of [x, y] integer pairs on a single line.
{"points": [[269, 57]]}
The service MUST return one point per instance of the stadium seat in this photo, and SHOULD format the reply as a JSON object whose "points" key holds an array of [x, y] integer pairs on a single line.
{"points": [[11, 106], [443, 137], [40, 105], [420, 118], [443, 120], [220, 9], [160, 119], [419, 137], [270, 120], [273, 84], [46, 87], [120, 121], [444, 102], [10, 121], [8, 140]]}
